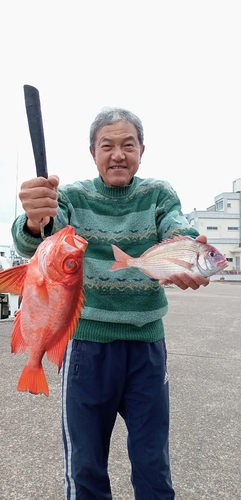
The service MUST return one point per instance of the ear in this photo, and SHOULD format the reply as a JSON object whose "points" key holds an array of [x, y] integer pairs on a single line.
{"points": [[92, 154], [142, 151]]}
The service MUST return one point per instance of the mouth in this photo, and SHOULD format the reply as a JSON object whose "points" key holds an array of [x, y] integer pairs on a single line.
{"points": [[223, 264], [117, 167]]}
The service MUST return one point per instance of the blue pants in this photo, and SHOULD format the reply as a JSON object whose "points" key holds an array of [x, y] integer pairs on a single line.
{"points": [[99, 380]]}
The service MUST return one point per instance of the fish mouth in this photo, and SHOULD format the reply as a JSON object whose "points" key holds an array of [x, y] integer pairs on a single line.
{"points": [[75, 241], [223, 264]]}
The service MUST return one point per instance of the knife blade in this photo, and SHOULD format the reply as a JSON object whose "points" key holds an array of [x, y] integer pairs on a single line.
{"points": [[35, 123]]}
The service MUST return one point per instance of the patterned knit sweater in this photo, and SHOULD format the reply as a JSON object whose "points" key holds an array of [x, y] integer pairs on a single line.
{"points": [[124, 304]]}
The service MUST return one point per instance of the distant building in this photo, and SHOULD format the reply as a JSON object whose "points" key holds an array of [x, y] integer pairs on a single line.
{"points": [[5, 250], [221, 223], [5, 262], [9, 257]]}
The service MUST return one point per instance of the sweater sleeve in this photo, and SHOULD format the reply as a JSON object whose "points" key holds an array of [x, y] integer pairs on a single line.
{"points": [[65, 210], [169, 217], [25, 243]]}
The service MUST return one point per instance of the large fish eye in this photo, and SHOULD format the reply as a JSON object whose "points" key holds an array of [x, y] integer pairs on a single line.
{"points": [[70, 265], [212, 254]]}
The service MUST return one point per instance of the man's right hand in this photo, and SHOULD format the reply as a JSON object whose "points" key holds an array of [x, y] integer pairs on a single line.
{"points": [[39, 200]]}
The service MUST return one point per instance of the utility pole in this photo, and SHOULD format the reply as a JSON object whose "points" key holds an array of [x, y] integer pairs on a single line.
{"points": [[16, 190]]}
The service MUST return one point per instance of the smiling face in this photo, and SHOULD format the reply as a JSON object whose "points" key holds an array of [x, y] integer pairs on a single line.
{"points": [[117, 153]]}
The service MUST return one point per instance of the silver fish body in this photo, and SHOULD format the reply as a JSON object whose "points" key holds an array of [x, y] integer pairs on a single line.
{"points": [[177, 255]]}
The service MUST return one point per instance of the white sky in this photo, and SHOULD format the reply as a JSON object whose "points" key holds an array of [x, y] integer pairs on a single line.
{"points": [[175, 63]]}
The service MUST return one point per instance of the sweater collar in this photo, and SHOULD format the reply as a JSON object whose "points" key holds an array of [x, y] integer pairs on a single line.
{"points": [[114, 191]]}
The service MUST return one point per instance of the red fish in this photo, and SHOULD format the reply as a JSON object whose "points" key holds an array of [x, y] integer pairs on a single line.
{"points": [[174, 256], [52, 288]]}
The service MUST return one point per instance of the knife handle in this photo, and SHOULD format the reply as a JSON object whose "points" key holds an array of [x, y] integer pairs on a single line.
{"points": [[35, 123]]}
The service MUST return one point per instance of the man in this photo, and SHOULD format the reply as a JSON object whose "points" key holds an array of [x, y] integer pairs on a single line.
{"points": [[116, 362]]}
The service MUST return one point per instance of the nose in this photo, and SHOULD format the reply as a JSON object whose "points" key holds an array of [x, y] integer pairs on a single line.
{"points": [[118, 154]]}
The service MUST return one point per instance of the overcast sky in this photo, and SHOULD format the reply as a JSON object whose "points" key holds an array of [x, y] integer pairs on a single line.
{"points": [[175, 63]]}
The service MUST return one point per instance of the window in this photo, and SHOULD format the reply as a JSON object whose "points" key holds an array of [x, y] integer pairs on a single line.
{"points": [[219, 205], [229, 259], [212, 228], [228, 205], [232, 228]]}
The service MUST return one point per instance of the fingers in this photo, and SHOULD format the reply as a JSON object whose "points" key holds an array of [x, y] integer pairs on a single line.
{"points": [[193, 281], [40, 207], [39, 188], [53, 180], [165, 282], [185, 281], [39, 197], [201, 238]]}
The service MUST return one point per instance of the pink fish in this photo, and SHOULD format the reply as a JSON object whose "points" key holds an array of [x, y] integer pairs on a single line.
{"points": [[174, 256], [51, 285]]}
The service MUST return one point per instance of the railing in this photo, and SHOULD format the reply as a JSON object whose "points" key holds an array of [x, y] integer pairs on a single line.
{"points": [[231, 271]]}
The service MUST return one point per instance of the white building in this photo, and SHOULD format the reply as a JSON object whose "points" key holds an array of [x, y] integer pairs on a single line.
{"points": [[221, 223], [8, 301]]}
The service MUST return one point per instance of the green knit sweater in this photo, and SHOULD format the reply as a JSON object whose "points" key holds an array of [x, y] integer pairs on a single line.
{"points": [[124, 304]]}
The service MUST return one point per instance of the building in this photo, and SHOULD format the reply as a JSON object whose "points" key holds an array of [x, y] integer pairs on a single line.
{"points": [[9, 303], [9, 257], [221, 223], [5, 250]]}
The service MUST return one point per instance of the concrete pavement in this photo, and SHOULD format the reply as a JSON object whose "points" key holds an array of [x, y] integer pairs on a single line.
{"points": [[203, 334]]}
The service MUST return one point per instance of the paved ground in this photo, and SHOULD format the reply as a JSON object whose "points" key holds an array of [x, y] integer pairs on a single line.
{"points": [[203, 331]]}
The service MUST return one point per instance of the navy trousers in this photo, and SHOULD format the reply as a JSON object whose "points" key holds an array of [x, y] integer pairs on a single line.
{"points": [[100, 380]]}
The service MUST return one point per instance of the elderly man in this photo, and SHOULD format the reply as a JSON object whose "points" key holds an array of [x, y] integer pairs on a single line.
{"points": [[116, 361]]}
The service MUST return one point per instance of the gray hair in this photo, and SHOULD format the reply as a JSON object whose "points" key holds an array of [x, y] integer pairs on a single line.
{"points": [[108, 116]]}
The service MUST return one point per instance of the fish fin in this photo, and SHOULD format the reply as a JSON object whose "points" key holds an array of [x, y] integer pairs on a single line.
{"points": [[180, 262], [17, 342], [177, 237], [162, 243], [12, 279], [121, 258], [33, 380], [56, 353]]}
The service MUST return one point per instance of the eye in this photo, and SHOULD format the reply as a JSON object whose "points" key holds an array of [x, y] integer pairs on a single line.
{"points": [[212, 254], [70, 265]]}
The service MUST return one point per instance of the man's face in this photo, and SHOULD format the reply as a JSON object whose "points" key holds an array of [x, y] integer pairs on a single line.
{"points": [[117, 153]]}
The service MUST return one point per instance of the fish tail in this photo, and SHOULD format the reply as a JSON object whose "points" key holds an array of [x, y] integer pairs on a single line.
{"points": [[33, 380], [122, 259]]}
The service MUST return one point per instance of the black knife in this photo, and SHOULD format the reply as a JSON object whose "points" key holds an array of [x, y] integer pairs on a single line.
{"points": [[36, 129], [35, 123]]}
